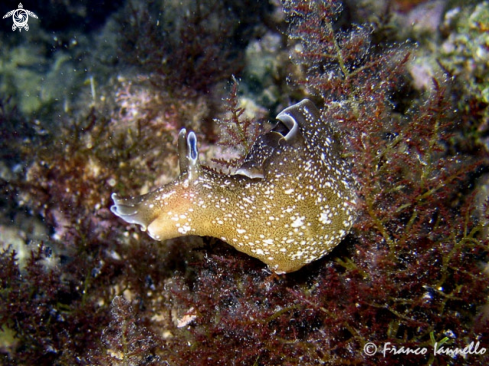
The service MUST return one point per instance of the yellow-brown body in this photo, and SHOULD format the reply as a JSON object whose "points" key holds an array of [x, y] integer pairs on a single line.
{"points": [[290, 203]]}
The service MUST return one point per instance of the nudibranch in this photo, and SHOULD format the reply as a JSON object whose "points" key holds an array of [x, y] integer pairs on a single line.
{"points": [[291, 202]]}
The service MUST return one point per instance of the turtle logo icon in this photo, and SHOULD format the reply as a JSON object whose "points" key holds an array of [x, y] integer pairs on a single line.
{"points": [[20, 17]]}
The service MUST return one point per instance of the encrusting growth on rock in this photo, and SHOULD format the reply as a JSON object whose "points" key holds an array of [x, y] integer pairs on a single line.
{"points": [[291, 202]]}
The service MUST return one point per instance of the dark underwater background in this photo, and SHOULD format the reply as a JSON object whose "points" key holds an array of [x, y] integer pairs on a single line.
{"points": [[92, 97]]}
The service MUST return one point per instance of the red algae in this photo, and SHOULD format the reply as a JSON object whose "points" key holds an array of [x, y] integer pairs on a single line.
{"points": [[412, 272]]}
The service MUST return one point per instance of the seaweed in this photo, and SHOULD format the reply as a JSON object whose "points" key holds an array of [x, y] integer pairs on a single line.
{"points": [[411, 273]]}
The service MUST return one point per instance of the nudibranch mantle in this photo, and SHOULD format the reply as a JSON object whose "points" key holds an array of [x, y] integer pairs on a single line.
{"points": [[290, 203]]}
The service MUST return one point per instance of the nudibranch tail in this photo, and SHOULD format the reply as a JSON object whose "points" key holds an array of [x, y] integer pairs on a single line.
{"points": [[290, 203]]}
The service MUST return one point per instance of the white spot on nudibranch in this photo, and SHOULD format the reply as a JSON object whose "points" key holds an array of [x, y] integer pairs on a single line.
{"points": [[298, 222]]}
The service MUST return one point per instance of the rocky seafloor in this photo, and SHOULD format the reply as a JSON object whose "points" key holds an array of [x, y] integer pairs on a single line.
{"points": [[92, 97]]}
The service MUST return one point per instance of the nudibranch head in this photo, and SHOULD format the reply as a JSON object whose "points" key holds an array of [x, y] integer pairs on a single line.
{"points": [[290, 203]]}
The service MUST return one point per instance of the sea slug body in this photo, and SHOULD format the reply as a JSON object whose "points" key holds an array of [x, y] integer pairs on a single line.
{"points": [[290, 203]]}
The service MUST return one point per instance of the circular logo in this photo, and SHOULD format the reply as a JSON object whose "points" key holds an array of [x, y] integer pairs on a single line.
{"points": [[20, 18], [370, 349]]}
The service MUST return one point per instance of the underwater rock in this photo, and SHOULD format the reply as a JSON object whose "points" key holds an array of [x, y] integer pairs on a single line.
{"points": [[290, 203]]}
